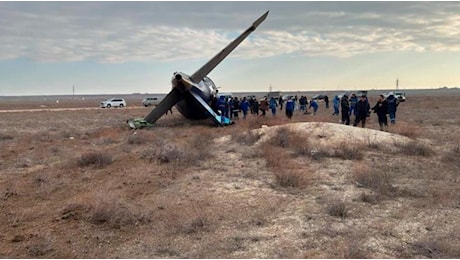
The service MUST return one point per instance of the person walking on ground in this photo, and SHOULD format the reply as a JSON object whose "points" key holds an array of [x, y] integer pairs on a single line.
{"points": [[289, 107], [381, 109], [314, 105], [244, 106], [326, 101], [230, 106], [336, 102], [362, 111], [353, 101], [235, 108], [281, 102], [223, 107], [302, 103], [345, 105], [273, 106], [214, 104], [263, 106], [256, 107], [393, 103]]}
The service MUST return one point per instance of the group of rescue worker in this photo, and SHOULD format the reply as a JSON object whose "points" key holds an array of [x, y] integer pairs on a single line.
{"points": [[361, 110], [358, 107]]}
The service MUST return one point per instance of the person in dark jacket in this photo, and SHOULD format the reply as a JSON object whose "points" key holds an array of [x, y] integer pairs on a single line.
{"points": [[326, 101], [362, 109], [381, 109], [214, 104], [393, 103], [281, 102], [235, 108], [345, 105], [256, 107]]}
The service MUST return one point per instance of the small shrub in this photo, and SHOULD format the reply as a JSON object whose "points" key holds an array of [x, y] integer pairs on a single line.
{"points": [[348, 152], [353, 250], [376, 179], [437, 247], [4, 137], [370, 198], [415, 148], [275, 157], [281, 138], [74, 211], [247, 138], [96, 159], [337, 209], [172, 153], [409, 130], [290, 178], [115, 214], [40, 249], [136, 139], [375, 146], [300, 145], [453, 155], [195, 225], [200, 144], [179, 154]]}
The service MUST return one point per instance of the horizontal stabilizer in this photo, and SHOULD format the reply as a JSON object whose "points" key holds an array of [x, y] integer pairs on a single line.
{"points": [[166, 104], [210, 65], [219, 120]]}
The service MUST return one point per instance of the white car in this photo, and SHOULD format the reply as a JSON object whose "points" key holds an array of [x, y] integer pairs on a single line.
{"points": [[113, 102], [401, 96], [151, 101]]}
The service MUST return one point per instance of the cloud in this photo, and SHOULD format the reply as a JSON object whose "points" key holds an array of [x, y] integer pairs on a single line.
{"points": [[117, 33]]}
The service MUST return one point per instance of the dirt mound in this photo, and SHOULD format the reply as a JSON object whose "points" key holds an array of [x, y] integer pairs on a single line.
{"points": [[330, 134]]}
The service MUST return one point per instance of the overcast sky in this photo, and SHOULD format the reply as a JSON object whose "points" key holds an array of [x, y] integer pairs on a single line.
{"points": [[134, 47]]}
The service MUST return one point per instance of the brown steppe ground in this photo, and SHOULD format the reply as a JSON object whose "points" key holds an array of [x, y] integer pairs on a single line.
{"points": [[80, 184]]}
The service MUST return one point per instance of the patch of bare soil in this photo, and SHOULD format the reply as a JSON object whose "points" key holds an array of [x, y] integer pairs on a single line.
{"points": [[80, 184]]}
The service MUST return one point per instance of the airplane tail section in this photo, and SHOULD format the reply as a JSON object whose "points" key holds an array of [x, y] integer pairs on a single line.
{"points": [[210, 65]]}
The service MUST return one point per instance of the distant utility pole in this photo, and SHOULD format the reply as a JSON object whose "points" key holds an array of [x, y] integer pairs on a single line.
{"points": [[270, 89], [397, 84], [73, 91]]}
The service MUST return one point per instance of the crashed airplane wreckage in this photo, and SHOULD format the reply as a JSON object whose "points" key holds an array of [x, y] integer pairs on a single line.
{"points": [[192, 94]]}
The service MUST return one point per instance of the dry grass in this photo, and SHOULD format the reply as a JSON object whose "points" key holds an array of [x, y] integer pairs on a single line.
{"points": [[43, 247], [337, 208], [4, 136], [453, 155], [415, 148], [95, 159], [406, 129], [201, 199], [115, 213], [282, 138], [348, 152], [291, 178], [286, 171], [442, 247], [379, 180], [246, 138]]}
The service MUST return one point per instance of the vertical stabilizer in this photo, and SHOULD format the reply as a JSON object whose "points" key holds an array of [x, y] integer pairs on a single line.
{"points": [[210, 65]]}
